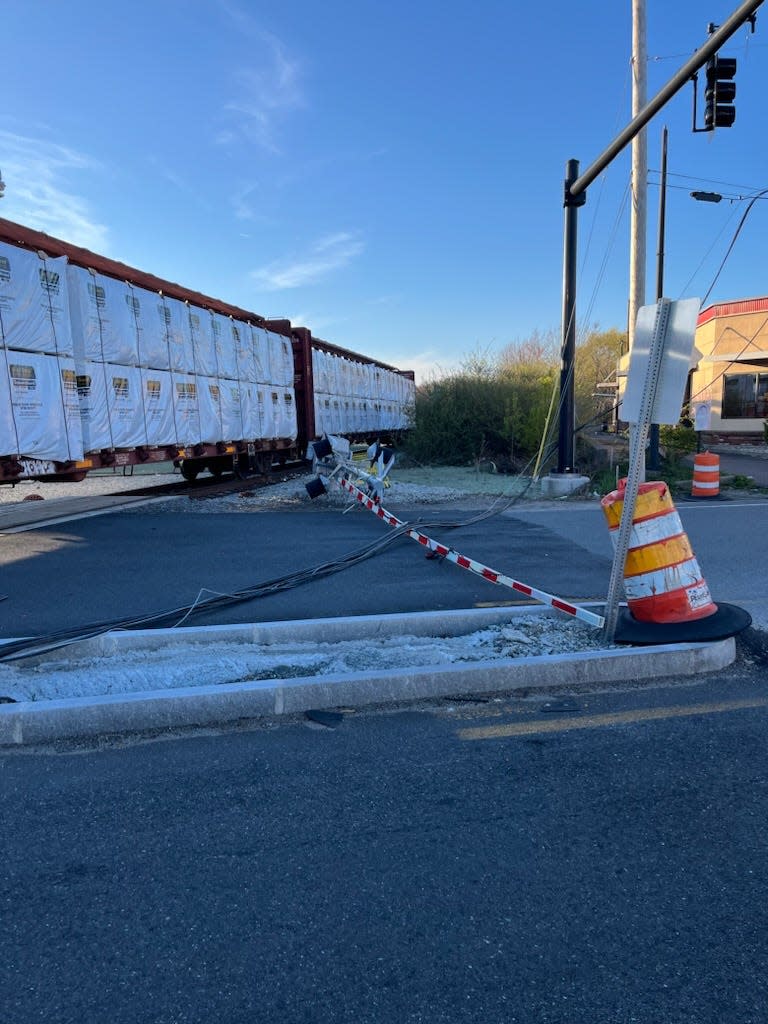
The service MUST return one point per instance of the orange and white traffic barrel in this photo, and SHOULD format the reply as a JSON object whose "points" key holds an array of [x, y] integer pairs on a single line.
{"points": [[662, 579], [706, 475]]}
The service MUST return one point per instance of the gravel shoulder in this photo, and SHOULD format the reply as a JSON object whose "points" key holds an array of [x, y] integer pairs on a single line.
{"points": [[449, 486]]}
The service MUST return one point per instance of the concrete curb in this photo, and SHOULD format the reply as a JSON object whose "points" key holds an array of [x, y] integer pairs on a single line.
{"points": [[38, 722]]}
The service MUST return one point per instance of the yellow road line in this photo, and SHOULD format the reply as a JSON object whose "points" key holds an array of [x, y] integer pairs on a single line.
{"points": [[492, 732]]}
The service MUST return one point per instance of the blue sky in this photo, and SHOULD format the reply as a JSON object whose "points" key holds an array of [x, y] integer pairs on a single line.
{"points": [[389, 175]]}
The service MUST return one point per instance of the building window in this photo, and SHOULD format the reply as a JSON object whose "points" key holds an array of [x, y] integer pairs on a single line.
{"points": [[745, 396]]}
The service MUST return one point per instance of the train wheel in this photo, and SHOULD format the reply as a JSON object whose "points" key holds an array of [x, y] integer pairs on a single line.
{"points": [[189, 471]]}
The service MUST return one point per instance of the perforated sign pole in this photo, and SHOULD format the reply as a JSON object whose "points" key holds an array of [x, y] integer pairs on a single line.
{"points": [[636, 465]]}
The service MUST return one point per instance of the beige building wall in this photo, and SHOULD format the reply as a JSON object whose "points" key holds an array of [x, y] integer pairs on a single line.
{"points": [[732, 373], [729, 387]]}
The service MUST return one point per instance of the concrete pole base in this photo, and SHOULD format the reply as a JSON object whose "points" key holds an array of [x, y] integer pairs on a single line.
{"points": [[560, 485]]}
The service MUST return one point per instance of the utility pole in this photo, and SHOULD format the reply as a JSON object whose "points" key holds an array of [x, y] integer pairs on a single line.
{"points": [[638, 220], [639, 181]]}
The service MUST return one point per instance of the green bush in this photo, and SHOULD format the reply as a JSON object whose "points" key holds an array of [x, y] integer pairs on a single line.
{"points": [[742, 483], [486, 411], [677, 441], [495, 407]]}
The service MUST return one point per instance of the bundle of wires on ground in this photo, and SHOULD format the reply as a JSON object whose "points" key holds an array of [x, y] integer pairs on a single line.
{"points": [[29, 647]]}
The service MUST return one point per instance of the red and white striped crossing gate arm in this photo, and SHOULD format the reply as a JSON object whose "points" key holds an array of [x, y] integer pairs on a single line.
{"points": [[469, 563]]}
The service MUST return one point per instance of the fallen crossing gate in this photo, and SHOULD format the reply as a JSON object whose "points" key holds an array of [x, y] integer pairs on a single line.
{"points": [[340, 471]]}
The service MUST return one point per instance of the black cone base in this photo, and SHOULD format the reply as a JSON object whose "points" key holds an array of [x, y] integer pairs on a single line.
{"points": [[727, 621]]}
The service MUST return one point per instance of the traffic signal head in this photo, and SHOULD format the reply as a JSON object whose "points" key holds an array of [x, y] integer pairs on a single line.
{"points": [[720, 93]]}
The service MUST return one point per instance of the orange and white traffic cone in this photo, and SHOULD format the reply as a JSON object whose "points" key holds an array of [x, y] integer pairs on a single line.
{"points": [[663, 583], [706, 476]]}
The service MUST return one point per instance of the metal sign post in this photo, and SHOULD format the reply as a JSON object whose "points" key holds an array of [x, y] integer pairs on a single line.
{"points": [[641, 407]]}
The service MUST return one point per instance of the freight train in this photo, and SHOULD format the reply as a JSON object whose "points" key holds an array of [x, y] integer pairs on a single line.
{"points": [[104, 365]]}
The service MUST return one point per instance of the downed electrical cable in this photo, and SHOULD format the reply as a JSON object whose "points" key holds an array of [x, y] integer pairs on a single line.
{"points": [[31, 646]]}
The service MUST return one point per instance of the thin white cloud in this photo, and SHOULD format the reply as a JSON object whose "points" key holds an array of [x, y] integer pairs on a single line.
{"points": [[266, 92], [38, 193], [242, 201], [316, 324], [326, 255], [195, 192], [424, 364]]}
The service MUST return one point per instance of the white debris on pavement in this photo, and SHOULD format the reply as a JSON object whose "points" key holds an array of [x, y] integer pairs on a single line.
{"points": [[190, 664]]}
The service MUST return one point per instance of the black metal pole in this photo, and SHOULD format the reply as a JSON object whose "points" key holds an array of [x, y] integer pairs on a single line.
{"points": [[662, 216], [653, 450], [565, 446]]}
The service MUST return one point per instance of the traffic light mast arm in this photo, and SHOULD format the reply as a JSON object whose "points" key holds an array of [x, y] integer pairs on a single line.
{"points": [[742, 14]]}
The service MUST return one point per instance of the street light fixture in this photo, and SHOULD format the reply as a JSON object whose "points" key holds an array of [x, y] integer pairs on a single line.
{"points": [[715, 197]]}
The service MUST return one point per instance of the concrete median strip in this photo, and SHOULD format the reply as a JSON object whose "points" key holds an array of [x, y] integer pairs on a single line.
{"points": [[29, 722]]}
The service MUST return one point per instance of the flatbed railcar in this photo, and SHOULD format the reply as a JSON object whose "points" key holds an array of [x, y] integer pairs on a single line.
{"points": [[105, 365]]}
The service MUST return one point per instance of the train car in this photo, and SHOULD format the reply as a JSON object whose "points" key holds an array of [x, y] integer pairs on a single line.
{"points": [[104, 365]]}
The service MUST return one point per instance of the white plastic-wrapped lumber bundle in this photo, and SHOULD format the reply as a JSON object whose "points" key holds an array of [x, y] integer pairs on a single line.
{"points": [[181, 355], [226, 357], [186, 409], [322, 414], [203, 347], [102, 320], [231, 410], [287, 422], [34, 305], [281, 360], [39, 408], [209, 398], [151, 334], [261, 356], [111, 406], [242, 339], [251, 409], [159, 418]]}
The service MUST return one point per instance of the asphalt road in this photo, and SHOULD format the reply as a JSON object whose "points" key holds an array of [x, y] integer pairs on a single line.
{"points": [[592, 862], [143, 561], [571, 859]]}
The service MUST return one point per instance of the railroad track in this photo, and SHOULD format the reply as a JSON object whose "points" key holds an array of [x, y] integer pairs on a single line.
{"points": [[29, 515], [213, 487]]}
